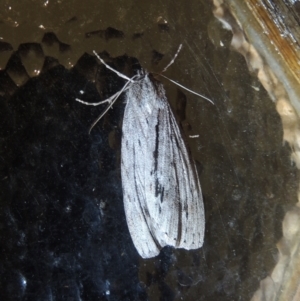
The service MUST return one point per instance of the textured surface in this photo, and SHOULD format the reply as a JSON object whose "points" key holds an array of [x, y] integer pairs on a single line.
{"points": [[62, 223]]}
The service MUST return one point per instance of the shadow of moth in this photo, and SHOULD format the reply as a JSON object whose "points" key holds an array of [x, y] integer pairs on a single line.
{"points": [[161, 189]]}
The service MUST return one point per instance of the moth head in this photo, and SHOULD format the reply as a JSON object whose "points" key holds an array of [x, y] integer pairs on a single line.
{"points": [[141, 74]]}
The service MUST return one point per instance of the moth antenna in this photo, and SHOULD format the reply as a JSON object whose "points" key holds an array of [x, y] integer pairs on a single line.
{"points": [[97, 103], [112, 69], [173, 59], [109, 99], [174, 82], [112, 100], [191, 91]]}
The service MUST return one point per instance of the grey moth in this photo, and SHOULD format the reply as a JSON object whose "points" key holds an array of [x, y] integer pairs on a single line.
{"points": [[161, 190]]}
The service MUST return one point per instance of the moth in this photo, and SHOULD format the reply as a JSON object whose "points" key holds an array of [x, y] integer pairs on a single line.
{"points": [[161, 190]]}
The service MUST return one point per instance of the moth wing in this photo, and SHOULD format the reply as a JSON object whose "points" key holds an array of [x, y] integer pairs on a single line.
{"points": [[134, 161], [178, 190], [162, 194]]}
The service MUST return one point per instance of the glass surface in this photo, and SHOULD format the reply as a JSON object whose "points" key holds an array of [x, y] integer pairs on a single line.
{"points": [[63, 229]]}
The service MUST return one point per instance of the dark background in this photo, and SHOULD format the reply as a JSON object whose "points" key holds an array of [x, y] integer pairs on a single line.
{"points": [[62, 224]]}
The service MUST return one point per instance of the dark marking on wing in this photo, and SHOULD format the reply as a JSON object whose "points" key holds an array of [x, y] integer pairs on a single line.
{"points": [[179, 231], [143, 209], [162, 194], [175, 141], [159, 190], [146, 211], [185, 209], [155, 153]]}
